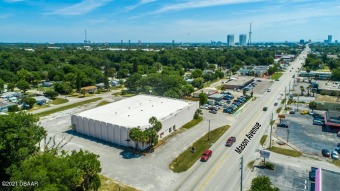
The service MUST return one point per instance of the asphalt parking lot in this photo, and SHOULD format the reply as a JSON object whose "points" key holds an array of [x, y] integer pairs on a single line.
{"points": [[287, 178], [306, 136], [261, 87]]}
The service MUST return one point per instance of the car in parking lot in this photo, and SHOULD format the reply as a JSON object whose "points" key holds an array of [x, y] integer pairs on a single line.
{"points": [[311, 112], [275, 104], [325, 153], [304, 112], [228, 110], [318, 122], [338, 145], [268, 90], [312, 173], [259, 80], [230, 141], [213, 111], [282, 125], [206, 155], [335, 155], [292, 111]]}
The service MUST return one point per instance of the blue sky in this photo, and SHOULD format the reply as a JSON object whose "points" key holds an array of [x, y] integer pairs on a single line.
{"points": [[167, 20]]}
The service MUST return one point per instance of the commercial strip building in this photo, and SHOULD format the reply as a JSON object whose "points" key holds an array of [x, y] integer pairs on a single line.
{"points": [[316, 75], [112, 122], [239, 83], [326, 180], [332, 121], [327, 87], [325, 102]]}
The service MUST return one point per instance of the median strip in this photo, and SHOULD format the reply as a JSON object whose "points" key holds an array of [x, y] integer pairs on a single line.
{"points": [[185, 160]]}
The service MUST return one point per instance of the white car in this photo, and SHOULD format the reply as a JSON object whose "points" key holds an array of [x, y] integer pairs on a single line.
{"points": [[335, 155]]}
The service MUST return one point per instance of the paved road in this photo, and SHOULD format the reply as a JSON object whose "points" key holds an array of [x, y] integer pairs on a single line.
{"points": [[222, 172], [74, 100]]}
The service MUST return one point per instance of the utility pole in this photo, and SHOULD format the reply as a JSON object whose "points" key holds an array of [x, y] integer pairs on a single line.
{"points": [[241, 173], [209, 131], [287, 135], [284, 104], [289, 87], [271, 129], [297, 104]]}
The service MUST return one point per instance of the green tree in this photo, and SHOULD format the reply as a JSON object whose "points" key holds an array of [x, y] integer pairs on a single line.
{"points": [[302, 90], [29, 101], [51, 94], [25, 75], [132, 83], [308, 91], [155, 124], [136, 135], [106, 83], [10, 86], [197, 73], [262, 183], [312, 105], [203, 98], [333, 93], [19, 135], [89, 167], [13, 108], [2, 85], [23, 85]]}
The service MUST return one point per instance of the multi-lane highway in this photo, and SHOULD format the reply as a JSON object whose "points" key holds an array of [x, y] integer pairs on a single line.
{"points": [[222, 171]]}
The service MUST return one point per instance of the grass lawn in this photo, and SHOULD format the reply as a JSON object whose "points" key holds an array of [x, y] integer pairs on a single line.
{"points": [[128, 95], [263, 139], [192, 123], [208, 84], [185, 160], [58, 101], [102, 103], [287, 152], [277, 75], [36, 107], [278, 110], [49, 112], [336, 162], [250, 164], [108, 184]]}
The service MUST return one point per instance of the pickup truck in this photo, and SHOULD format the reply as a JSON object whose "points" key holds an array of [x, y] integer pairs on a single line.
{"points": [[230, 141]]}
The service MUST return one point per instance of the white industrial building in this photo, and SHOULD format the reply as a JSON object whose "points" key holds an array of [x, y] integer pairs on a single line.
{"points": [[112, 122]]}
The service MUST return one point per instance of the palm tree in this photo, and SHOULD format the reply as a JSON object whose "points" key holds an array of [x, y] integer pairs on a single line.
{"points": [[313, 91], [308, 89], [302, 90], [136, 134], [312, 105]]}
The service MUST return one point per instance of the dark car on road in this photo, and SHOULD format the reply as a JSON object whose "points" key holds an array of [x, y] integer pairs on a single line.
{"points": [[275, 104], [325, 153], [282, 125], [265, 108], [312, 173], [206, 155], [230, 141]]}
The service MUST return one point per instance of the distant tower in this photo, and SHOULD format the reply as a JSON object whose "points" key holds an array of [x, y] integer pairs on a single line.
{"points": [[230, 40], [85, 41], [243, 40], [329, 39], [249, 39]]}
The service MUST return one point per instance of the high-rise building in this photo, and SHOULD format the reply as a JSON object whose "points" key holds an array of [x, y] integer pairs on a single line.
{"points": [[329, 40], [243, 39], [230, 40], [302, 41]]}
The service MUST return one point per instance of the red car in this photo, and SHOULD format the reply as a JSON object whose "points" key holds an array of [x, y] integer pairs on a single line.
{"points": [[230, 141], [206, 155]]}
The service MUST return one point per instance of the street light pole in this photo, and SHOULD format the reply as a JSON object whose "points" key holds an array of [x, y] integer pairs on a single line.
{"points": [[271, 129], [209, 131], [241, 173], [287, 136]]}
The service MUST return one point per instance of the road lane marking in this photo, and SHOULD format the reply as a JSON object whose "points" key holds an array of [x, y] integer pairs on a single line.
{"points": [[212, 173]]}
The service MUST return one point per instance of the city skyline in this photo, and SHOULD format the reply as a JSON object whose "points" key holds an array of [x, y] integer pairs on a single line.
{"points": [[159, 21]]}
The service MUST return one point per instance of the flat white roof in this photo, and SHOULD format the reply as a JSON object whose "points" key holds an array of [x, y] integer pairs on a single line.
{"points": [[136, 111]]}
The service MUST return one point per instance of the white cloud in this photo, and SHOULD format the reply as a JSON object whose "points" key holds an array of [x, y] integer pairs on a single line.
{"points": [[140, 3], [200, 3], [80, 8]]}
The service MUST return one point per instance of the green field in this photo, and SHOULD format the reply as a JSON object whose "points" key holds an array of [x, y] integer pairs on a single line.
{"points": [[287, 152], [263, 139], [49, 112], [277, 75], [185, 160], [58, 101], [192, 123]]}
